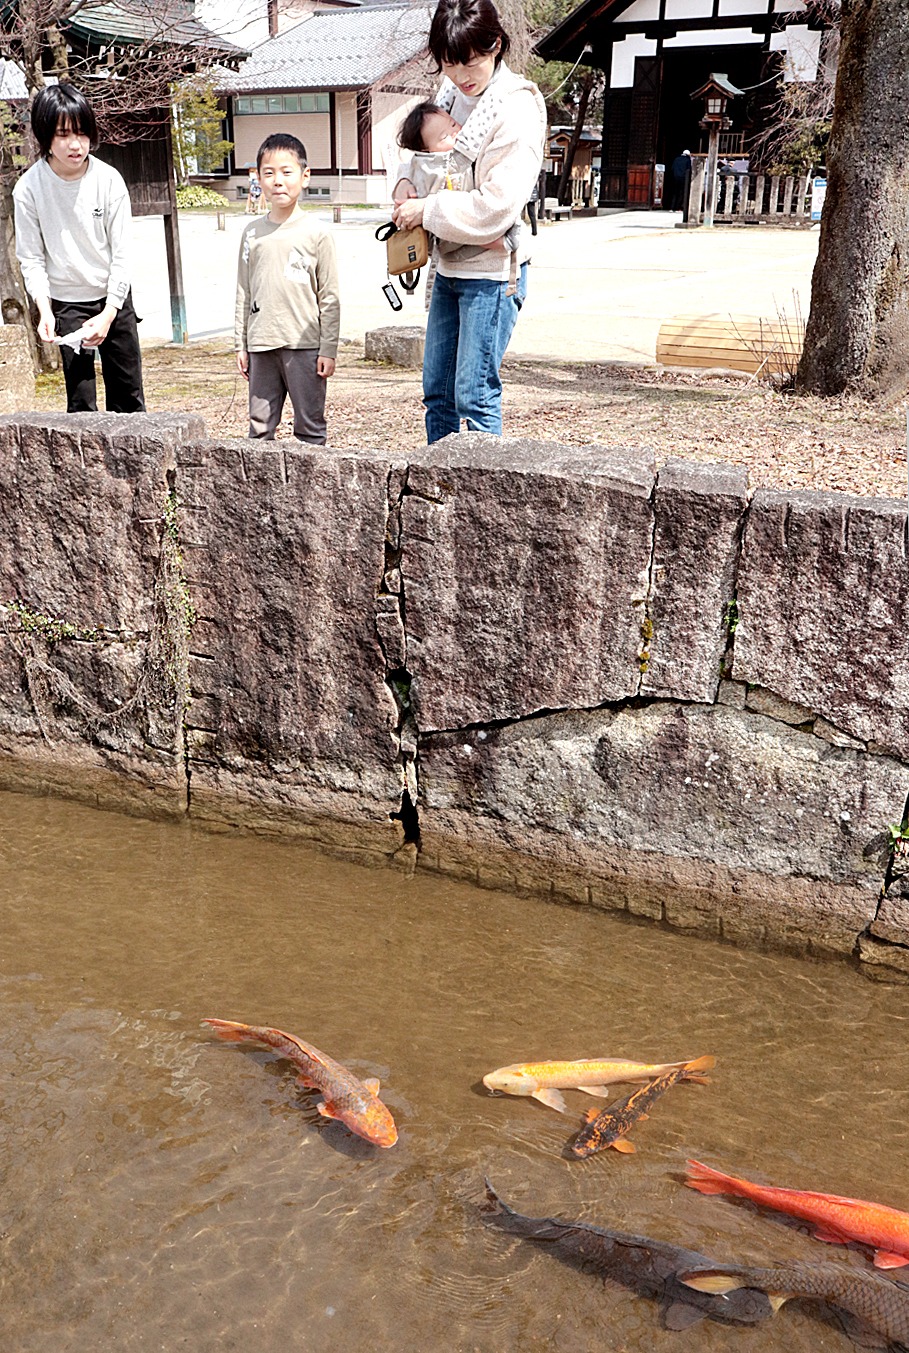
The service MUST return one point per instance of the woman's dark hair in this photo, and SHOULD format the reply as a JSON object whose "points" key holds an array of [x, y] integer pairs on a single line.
{"points": [[279, 141], [62, 107], [410, 135], [462, 29]]}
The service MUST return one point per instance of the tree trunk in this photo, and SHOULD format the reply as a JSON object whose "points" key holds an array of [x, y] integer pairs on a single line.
{"points": [[856, 338], [14, 306], [571, 148]]}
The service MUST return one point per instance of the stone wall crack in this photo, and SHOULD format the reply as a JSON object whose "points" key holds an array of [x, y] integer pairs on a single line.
{"points": [[646, 598], [486, 726], [391, 630]]}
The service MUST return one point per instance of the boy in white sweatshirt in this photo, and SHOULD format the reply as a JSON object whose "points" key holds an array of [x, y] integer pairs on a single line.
{"points": [[72, 218]]}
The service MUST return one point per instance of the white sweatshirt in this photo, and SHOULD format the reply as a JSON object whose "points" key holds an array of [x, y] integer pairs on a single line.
{"points": [[72, 235]]}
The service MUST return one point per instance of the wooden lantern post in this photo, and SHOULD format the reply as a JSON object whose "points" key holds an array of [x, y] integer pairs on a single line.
{"points": [[716, 94]]}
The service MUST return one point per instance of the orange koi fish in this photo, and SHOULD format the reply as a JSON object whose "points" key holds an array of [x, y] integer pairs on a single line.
{"points": [[353, 1102], [544, 1080], [609, 1126], [836, 1220]]}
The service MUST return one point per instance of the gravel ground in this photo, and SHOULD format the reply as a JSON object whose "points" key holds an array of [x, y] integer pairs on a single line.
{"points": [[784, 441]]}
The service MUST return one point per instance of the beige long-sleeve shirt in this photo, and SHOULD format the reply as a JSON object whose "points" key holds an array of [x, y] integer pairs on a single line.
{"points": [[287, 288]]}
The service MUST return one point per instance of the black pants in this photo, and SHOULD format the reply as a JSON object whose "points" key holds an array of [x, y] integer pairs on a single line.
{"points": [[121, 361]]}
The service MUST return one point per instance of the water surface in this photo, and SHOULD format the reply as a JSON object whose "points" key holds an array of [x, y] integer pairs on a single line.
{"points": [[162, 1191]]}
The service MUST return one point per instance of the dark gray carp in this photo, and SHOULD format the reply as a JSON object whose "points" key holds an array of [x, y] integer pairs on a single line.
{"points": [[877, 1301], [648, 1267]]}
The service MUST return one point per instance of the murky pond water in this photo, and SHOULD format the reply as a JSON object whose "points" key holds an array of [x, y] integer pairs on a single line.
{"points": [[161, 1191]]}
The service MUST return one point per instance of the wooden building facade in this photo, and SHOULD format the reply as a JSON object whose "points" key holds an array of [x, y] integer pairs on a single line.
{"points": [[654, 53]]}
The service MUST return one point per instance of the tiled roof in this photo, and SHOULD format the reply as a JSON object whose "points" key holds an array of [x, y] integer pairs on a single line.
{"points": [[336, 49], [12, 81], [105, 22]]}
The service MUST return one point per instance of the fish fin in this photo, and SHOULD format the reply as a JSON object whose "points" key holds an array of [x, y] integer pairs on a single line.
{"points": [[680, 1316], [552, 1099], [373, 1085], [708, 1280], [831, 1237], [600, 1091], [624, 1145], [718, 1283], [327, 1109], [701, 1064], [885, 1259], [642, 1116], [696, 1080], [590, 1115]]}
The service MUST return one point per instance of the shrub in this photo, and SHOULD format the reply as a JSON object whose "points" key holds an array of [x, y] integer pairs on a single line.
{"points": [[191, 195]]}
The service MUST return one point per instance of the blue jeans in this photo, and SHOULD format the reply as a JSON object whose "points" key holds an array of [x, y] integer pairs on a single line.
{"points": [[469, 325]]}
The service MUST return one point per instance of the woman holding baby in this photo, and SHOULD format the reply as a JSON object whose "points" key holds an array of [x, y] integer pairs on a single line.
{"points": [[477, 292]]}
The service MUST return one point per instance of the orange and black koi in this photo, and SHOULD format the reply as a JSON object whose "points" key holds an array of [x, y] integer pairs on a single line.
{"points": [[609, 1126]]}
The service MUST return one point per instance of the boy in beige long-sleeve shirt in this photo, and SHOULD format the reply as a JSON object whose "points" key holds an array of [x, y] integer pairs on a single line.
{"points": [[287, 317]]}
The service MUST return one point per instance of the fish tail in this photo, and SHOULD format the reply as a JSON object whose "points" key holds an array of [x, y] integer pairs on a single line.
{"points": [[493, 1198], [707, 1180], [495, 1205], [228, 1029], [701, 1064], [692, 1071]]}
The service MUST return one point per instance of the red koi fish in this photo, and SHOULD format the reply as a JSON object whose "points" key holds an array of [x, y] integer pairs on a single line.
{"points": [[353, 1102], [836, 1220]]}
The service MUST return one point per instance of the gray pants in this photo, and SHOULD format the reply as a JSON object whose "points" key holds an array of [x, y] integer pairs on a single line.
{"points": [[272, 377]]}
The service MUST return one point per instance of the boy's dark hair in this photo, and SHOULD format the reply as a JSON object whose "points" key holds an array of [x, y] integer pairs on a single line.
{"points": [[462, 29], [62, 105], [410, 135], [281, 141]]}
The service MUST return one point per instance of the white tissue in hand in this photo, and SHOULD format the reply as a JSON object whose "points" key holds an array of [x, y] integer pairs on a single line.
{"points": [[73, 340]]}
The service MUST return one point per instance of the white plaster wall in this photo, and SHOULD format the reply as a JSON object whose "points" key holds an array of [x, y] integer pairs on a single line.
{"points": [[730, 8], [311, 128], [346, 130], [623, 55], [689, 9], [715, 37], [802, 46]]}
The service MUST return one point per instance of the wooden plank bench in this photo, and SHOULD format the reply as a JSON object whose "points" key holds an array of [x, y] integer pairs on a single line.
{"points": [[553, 209], [737, 342]]}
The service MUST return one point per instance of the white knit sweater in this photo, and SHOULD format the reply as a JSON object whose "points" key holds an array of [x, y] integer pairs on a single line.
{"points": [[503, 135]]}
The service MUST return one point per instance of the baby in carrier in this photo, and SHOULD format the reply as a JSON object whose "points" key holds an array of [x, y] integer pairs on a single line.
{"points": [[431, 133]]}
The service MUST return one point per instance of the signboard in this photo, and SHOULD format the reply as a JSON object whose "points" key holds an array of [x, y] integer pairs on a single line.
{"points": [[818, 193]]}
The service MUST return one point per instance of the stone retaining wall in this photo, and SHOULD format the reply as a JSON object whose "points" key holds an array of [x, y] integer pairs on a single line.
{"points": [[546, 668]]}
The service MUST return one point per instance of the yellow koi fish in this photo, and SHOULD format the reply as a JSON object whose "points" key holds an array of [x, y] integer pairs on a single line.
{"points": [[544, 1080]]}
